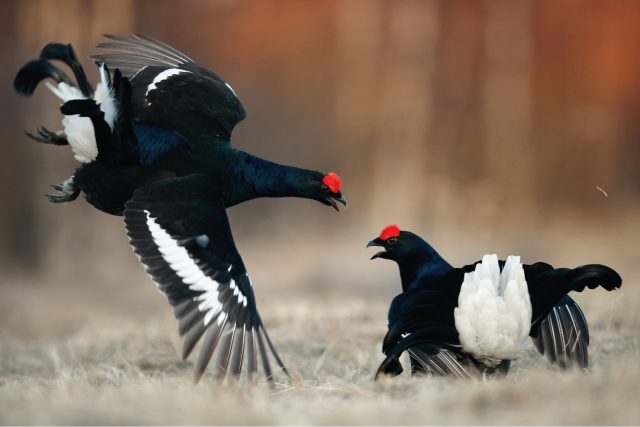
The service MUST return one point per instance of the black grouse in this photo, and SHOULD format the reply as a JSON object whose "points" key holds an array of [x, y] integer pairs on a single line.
{"points": [[154, 142], [474, 319]]}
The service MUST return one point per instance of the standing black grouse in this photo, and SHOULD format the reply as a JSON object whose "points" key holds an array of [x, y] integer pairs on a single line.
{"points": [[474, 319], [154, 143]]}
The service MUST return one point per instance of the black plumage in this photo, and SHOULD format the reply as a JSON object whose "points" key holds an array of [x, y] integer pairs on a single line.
{"points": [[193, 213], [66, 54], [33, 72], [171, 103], [563, 335], [162, 127], [421, 319]]}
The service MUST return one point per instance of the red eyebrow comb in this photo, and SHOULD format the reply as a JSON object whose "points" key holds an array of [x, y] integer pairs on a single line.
{"points": [[332, 181], [390, 231]]}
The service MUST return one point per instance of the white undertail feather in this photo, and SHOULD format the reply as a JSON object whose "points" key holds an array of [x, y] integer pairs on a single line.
{"points": [[65, 91], [493, 317], [79, 130], [105, 97]]}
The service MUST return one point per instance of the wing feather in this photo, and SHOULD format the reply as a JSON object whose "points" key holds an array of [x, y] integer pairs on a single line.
{"points": [[563, 336], [237, 352], [263, 355], [179, 230], [208, 346], [171, 91], [252, 362], [228, 337], [191, 338]]}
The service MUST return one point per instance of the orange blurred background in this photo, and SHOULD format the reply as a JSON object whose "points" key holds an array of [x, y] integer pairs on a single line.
{"points": [[482, 125], [486, 126]]}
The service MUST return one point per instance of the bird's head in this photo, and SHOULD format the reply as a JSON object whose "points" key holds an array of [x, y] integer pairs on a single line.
{"points": [[326, 190], [396, 244], [415, 257]]}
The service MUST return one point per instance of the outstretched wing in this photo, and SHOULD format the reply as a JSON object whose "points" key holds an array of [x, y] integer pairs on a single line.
{"points": [[558, 327], [421, 322], [179, 229], [547, 285], [563, 336], [437, 361], [427, 353], [171, 90]]}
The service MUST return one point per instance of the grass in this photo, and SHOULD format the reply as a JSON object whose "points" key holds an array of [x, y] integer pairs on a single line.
{"points": [[131, 373], [85, 343]]}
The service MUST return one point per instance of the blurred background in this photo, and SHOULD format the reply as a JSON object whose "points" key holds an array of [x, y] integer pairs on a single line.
{"points": [[504, 126], [485, 126]]}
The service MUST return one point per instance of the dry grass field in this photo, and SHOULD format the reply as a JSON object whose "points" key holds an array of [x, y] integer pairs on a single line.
{"points": [[502, 126], [101, 347]]}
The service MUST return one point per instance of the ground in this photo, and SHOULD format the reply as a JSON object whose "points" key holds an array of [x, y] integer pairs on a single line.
{"points": [[93, 344], [130, 372]]}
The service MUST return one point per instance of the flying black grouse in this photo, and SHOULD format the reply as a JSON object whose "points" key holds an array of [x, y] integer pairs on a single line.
{"points": [[474, 319], [154, 143]]}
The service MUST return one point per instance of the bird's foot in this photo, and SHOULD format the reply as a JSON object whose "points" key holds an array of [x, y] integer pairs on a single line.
{"points": [[68, 189], [45, 136]]}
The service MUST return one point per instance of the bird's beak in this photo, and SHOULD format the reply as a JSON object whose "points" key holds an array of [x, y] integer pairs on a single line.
{"points": [[376, 242], [331, 201]]}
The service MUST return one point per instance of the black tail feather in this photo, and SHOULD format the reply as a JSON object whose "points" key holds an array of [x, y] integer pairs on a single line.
{"points": [[33, 72], [82, 107], [66, 54]]}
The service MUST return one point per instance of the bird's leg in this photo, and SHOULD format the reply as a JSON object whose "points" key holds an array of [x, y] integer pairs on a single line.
{"points": [[497, 371], [68, 189], [45, 136]]}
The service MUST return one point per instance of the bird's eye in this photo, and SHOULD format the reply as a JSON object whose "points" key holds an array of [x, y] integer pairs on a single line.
{"points": [[392, 240], [325, 188]]}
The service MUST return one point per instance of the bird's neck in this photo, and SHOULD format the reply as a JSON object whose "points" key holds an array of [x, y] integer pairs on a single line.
{"points": [[424, 263], [255, 177]]}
